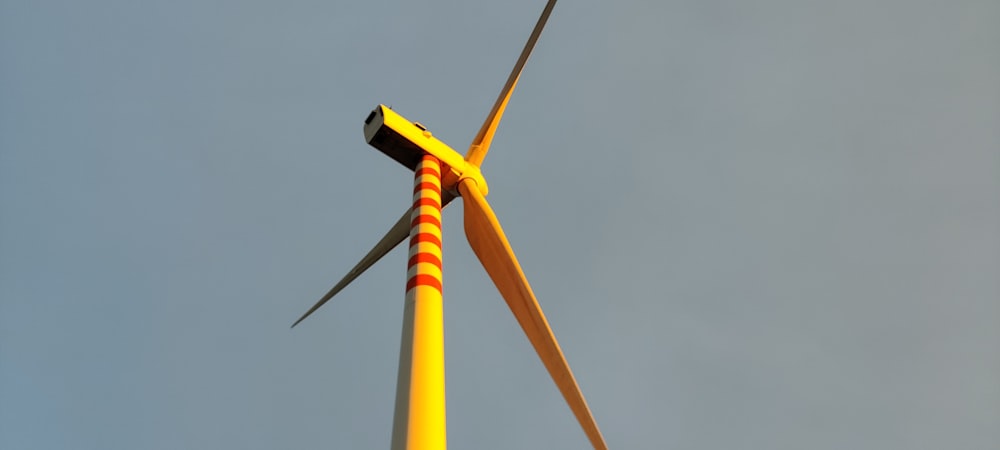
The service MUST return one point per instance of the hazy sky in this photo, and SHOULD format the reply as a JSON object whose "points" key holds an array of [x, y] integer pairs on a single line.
{"points": [[763, 225]]}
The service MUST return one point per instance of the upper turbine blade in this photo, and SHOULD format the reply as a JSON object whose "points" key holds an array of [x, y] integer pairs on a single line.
{"points": [[481, 143], [491, 247]]}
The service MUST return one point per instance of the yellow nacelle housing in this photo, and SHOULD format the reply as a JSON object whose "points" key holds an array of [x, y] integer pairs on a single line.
{"points": [[406, 142]]}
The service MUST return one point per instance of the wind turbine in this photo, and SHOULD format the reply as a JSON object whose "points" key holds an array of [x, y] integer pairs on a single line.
{"points": [[441, 175]]}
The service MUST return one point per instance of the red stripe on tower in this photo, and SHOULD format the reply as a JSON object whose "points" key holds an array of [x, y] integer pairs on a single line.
{"points": [[424, 280], [428, 258], [426, 201], [432, 171], [436, 187], [425, 218], [425, 237], [425, 227]]}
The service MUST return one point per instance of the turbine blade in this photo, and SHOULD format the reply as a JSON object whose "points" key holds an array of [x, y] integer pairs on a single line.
{"points": [[491, 247], [398, 233], [481, 143]]}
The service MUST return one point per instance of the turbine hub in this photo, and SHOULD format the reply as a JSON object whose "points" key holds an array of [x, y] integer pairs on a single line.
{"points": [[470, 172]]}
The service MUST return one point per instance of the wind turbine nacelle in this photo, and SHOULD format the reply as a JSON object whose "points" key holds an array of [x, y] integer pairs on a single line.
{"points": [[406, 142]]}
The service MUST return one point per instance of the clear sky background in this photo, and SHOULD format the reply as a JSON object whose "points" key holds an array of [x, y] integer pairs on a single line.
{"points": [[764, 225]]}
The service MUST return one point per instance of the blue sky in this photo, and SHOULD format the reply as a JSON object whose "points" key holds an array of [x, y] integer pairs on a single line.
{"points": [[769, 225]]}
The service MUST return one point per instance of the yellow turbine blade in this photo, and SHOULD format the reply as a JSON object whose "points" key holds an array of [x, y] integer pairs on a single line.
{"points": [[491, 247], [481, 143], [398, 233]]}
